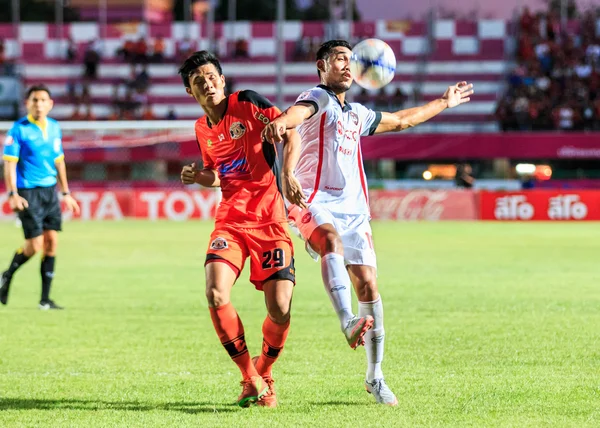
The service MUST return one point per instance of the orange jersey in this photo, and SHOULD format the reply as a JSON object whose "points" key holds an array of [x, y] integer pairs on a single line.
{"points": [[246, 165]]}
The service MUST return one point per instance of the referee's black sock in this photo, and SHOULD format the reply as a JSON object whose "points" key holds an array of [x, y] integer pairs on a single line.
{"points": [[47, 271], [19, 259]]}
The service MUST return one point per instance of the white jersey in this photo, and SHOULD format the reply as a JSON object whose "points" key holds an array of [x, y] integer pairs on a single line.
{"points": [[330, 168]]}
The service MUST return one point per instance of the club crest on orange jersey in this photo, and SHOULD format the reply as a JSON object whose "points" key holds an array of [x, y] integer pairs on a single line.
{"points": [[219, 244], [209, 143], [237, 130]]}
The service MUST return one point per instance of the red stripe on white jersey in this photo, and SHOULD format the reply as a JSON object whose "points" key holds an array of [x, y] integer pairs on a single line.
{"points": [[361, 170], [320, 164]]}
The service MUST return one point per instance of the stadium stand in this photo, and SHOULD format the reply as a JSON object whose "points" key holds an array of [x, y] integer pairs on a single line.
{"points": [[445, 51], [555, 84]]}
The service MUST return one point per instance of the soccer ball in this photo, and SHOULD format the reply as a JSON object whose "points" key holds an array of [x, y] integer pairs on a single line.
{"points": [[373, 64]]}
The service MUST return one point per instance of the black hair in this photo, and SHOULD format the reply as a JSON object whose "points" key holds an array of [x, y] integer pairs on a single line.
{"points": [[326, 48], [196, 60], [38, 87]]}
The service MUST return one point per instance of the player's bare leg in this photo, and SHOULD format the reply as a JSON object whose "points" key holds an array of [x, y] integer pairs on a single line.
{"points": [[327, 242], [220, 278], [369, 304], [278, 298], [22, 255]]}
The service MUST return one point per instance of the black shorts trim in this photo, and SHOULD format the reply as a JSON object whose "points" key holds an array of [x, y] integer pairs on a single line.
{"points": [[288, 273], [211, 258]]}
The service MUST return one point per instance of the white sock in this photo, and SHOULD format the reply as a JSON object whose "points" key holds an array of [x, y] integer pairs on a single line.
{"points": [[338, 286], [374, 338]]}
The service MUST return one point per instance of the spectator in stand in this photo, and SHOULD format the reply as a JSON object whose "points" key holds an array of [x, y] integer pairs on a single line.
{"points": [[382, 100], [362, 97], [147, 113], [71, 50], [565, 116], [158, 51], [91, 59], [97, 46], [141, 51], [301, 49], [74, 89], [398, 99], [171, 115], [127, 51], [464, 176], [86, 99], [142, 79], [527, 22], [241, 49]]}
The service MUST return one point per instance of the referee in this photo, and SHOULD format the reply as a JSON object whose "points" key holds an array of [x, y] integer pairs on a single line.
{"points": [[33, 159]]}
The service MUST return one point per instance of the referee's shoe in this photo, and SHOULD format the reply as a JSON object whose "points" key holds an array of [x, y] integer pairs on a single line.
{"points": [[46, 305], [4, 287]]}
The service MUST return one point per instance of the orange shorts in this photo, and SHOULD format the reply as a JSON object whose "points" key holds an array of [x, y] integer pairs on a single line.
{"points": [[269, 247]]}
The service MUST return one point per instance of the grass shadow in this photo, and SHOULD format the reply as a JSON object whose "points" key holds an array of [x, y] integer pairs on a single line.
{"points": [[135, 406], [340, 403]]}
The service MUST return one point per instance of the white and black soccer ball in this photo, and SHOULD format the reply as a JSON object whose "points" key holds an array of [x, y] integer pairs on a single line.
{"points": [[373, 64]]}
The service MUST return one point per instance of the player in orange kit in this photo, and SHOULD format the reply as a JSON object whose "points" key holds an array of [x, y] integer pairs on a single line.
{"points": [[250, 221]]}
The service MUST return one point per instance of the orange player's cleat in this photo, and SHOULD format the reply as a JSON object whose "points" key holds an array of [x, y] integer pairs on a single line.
{"points": [[253, 389], [270, 398]]}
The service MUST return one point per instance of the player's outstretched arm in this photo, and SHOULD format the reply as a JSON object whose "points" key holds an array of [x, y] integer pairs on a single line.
{"points": [[69, 200], [292, 190], [204, 177], [403, 119], [289, 119]]}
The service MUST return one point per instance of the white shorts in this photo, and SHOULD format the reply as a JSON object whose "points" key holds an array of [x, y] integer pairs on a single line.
{"points": [[354, 230]]}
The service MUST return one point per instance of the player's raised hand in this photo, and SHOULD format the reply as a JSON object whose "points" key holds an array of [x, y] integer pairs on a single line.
{"points": [[274, 131], [458, 94], [188, 174], [292, 190], [71, 204], [17, 203]]}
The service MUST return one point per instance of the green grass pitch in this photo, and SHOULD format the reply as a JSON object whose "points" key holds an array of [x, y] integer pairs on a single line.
{"points": [[486, 325]]}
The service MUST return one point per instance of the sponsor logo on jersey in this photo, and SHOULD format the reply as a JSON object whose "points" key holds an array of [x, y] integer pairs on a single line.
{"points": [[306, 218], [235, 166], [304, 95], [354, 117], [8, 140], [261, 117], [237, 130], [219, 244]]}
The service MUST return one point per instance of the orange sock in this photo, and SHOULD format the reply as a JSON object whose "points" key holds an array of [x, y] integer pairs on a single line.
{"points": [[274, 336], [230, 330]]}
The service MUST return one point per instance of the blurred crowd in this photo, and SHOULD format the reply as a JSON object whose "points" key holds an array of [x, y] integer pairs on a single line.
{"points": [[556, 82]]}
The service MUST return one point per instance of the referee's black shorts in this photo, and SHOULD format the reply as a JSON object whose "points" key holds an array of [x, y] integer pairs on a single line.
{"points": [[43, 212]]}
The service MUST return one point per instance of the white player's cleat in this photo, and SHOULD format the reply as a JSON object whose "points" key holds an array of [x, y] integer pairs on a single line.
{"points": [[355, 330], [382, 393]]}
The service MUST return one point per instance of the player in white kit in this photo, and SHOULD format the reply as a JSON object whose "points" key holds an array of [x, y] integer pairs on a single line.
{"points": [[330, 191]]}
